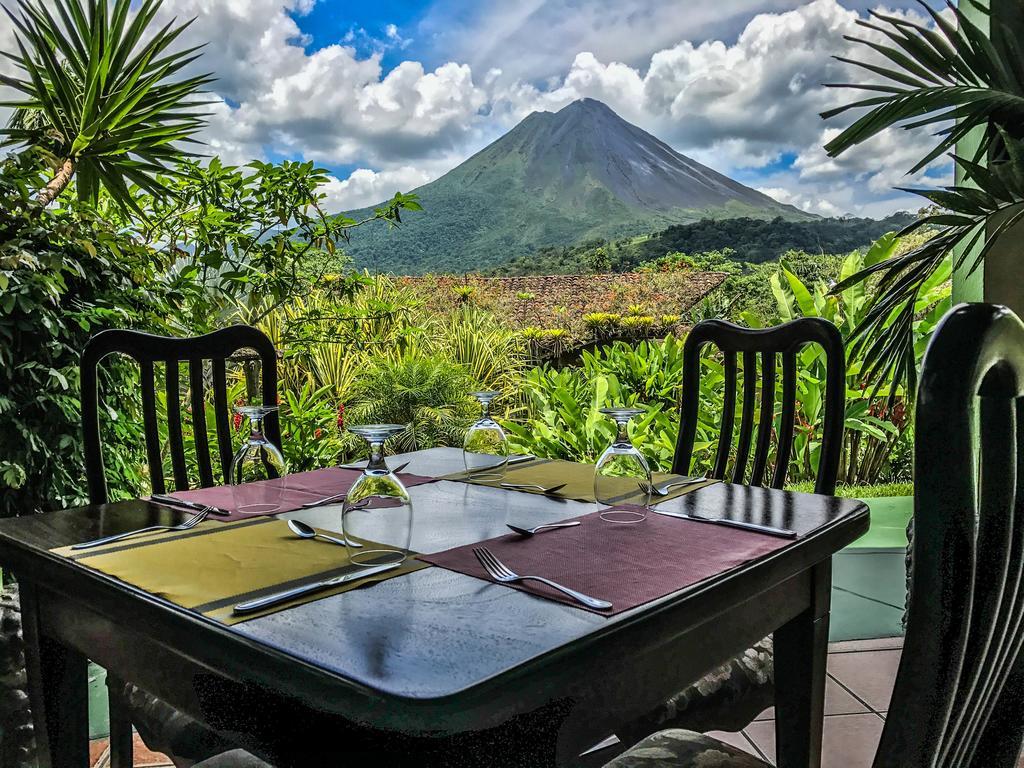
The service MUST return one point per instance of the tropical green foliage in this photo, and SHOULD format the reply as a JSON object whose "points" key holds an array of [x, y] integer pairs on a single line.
{"points": [[877, 419], [427, 394], [563, 414], [100, 95], [64, 275], [252, 237], [71, 270], [962, 81]]}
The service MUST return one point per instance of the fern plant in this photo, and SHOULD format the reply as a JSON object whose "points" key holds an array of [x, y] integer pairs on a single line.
{"points": [[427, 394]]}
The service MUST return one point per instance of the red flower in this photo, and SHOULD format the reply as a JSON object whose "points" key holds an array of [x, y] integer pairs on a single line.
{"points": [[318, 433], [238, 421], [341, 415]]}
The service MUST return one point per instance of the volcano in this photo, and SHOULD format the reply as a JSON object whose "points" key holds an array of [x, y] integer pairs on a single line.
{"points": [[557, 178]]}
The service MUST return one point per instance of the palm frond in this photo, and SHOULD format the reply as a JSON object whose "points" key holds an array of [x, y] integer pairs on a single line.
{"points": [[108, 88], [951, 77]]}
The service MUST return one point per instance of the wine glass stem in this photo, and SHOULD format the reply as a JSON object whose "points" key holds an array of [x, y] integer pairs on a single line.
{"points": [[623, 432], [376, 455], [487, 410], [255, 428]]}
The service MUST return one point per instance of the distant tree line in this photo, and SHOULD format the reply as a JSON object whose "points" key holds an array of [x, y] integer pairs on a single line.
{"points": [[752, 241]]}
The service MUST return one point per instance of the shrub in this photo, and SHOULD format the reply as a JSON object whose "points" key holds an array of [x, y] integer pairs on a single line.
{"points": [[638, 324], [65, 273], [428, 394]]}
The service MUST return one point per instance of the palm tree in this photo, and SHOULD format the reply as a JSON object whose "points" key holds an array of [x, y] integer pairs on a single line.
{"points": [[99, 95], [959, 81]]}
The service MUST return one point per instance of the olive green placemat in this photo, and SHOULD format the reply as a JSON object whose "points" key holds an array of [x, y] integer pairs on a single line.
{"points": [[213, 567], [578, 479]]}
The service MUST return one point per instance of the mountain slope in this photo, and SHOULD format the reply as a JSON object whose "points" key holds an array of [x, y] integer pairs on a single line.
{"points": [[555, 179]]}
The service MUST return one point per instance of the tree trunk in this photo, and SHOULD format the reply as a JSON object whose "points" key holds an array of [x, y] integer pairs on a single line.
{"points": [[57, 184]]}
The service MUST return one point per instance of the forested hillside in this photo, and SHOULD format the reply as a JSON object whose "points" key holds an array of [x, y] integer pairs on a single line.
{"points": [[749, 240]]}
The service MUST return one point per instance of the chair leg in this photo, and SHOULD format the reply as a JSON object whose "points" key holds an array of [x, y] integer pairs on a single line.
{"points": [[121, 750]]}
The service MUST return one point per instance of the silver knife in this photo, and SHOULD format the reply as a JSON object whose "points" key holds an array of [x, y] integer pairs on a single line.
{"points": [[170, 501], [783, 532], [305, 589]]}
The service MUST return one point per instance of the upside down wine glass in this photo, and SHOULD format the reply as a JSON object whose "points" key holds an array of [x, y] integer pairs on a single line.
{"points": [[258, 468], [377, 512], [485, 450], [622, 473]]}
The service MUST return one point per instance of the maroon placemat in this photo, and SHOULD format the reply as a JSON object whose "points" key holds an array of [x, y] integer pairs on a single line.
{"points": [[300, 488], [628, 565]]}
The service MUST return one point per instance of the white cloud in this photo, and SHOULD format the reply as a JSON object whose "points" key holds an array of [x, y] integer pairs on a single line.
{"points": [[744, 105], [546, 34], [365, 186], [734, 91], [801, 201], [329, 105]]}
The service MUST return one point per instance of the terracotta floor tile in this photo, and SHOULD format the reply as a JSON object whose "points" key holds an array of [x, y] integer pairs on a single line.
{"points": [[838, 701], [147, 759], [869, 674], [737, 740], [849, 740], [97, 750]]}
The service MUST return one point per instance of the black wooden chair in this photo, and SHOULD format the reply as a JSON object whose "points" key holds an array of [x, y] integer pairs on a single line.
{"points": [[161, 726], [959, 695], [730, 696]]}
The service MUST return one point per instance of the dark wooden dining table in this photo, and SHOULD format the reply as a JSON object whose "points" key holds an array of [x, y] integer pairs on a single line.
{"points": [[434, 667]]}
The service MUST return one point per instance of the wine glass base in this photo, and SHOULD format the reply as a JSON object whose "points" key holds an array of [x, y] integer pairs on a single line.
{"points": [[623, 516], [486, 475], [258, 509], [373, 557]]}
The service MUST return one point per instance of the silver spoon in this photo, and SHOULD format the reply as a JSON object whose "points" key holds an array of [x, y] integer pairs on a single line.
{"points": [[538, 528], [304, 531]]}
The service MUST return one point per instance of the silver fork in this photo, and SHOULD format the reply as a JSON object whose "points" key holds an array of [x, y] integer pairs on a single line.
{"points": [[498, 571], [341, 496], [665, 490], [192, 522], [528, 486]]}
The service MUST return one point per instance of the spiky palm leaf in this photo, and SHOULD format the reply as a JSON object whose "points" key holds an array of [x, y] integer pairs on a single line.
{"points": [[100, 85], [956, 79]]}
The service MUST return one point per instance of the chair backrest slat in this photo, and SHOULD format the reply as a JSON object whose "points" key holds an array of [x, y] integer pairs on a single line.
{"points": [[746, 416], [787, 420], [766, 420], [222, 415], [760, 348], [728, 417], [197, 402], [148, 350], [147, 382], [958, 701], [175, 438]]}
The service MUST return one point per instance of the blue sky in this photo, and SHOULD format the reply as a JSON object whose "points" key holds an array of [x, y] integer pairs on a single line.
{"points": [[390, 95]]}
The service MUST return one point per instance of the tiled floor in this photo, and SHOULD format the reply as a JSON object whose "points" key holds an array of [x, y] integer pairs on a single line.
{"points": [[861, 674], [860, 680]]}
